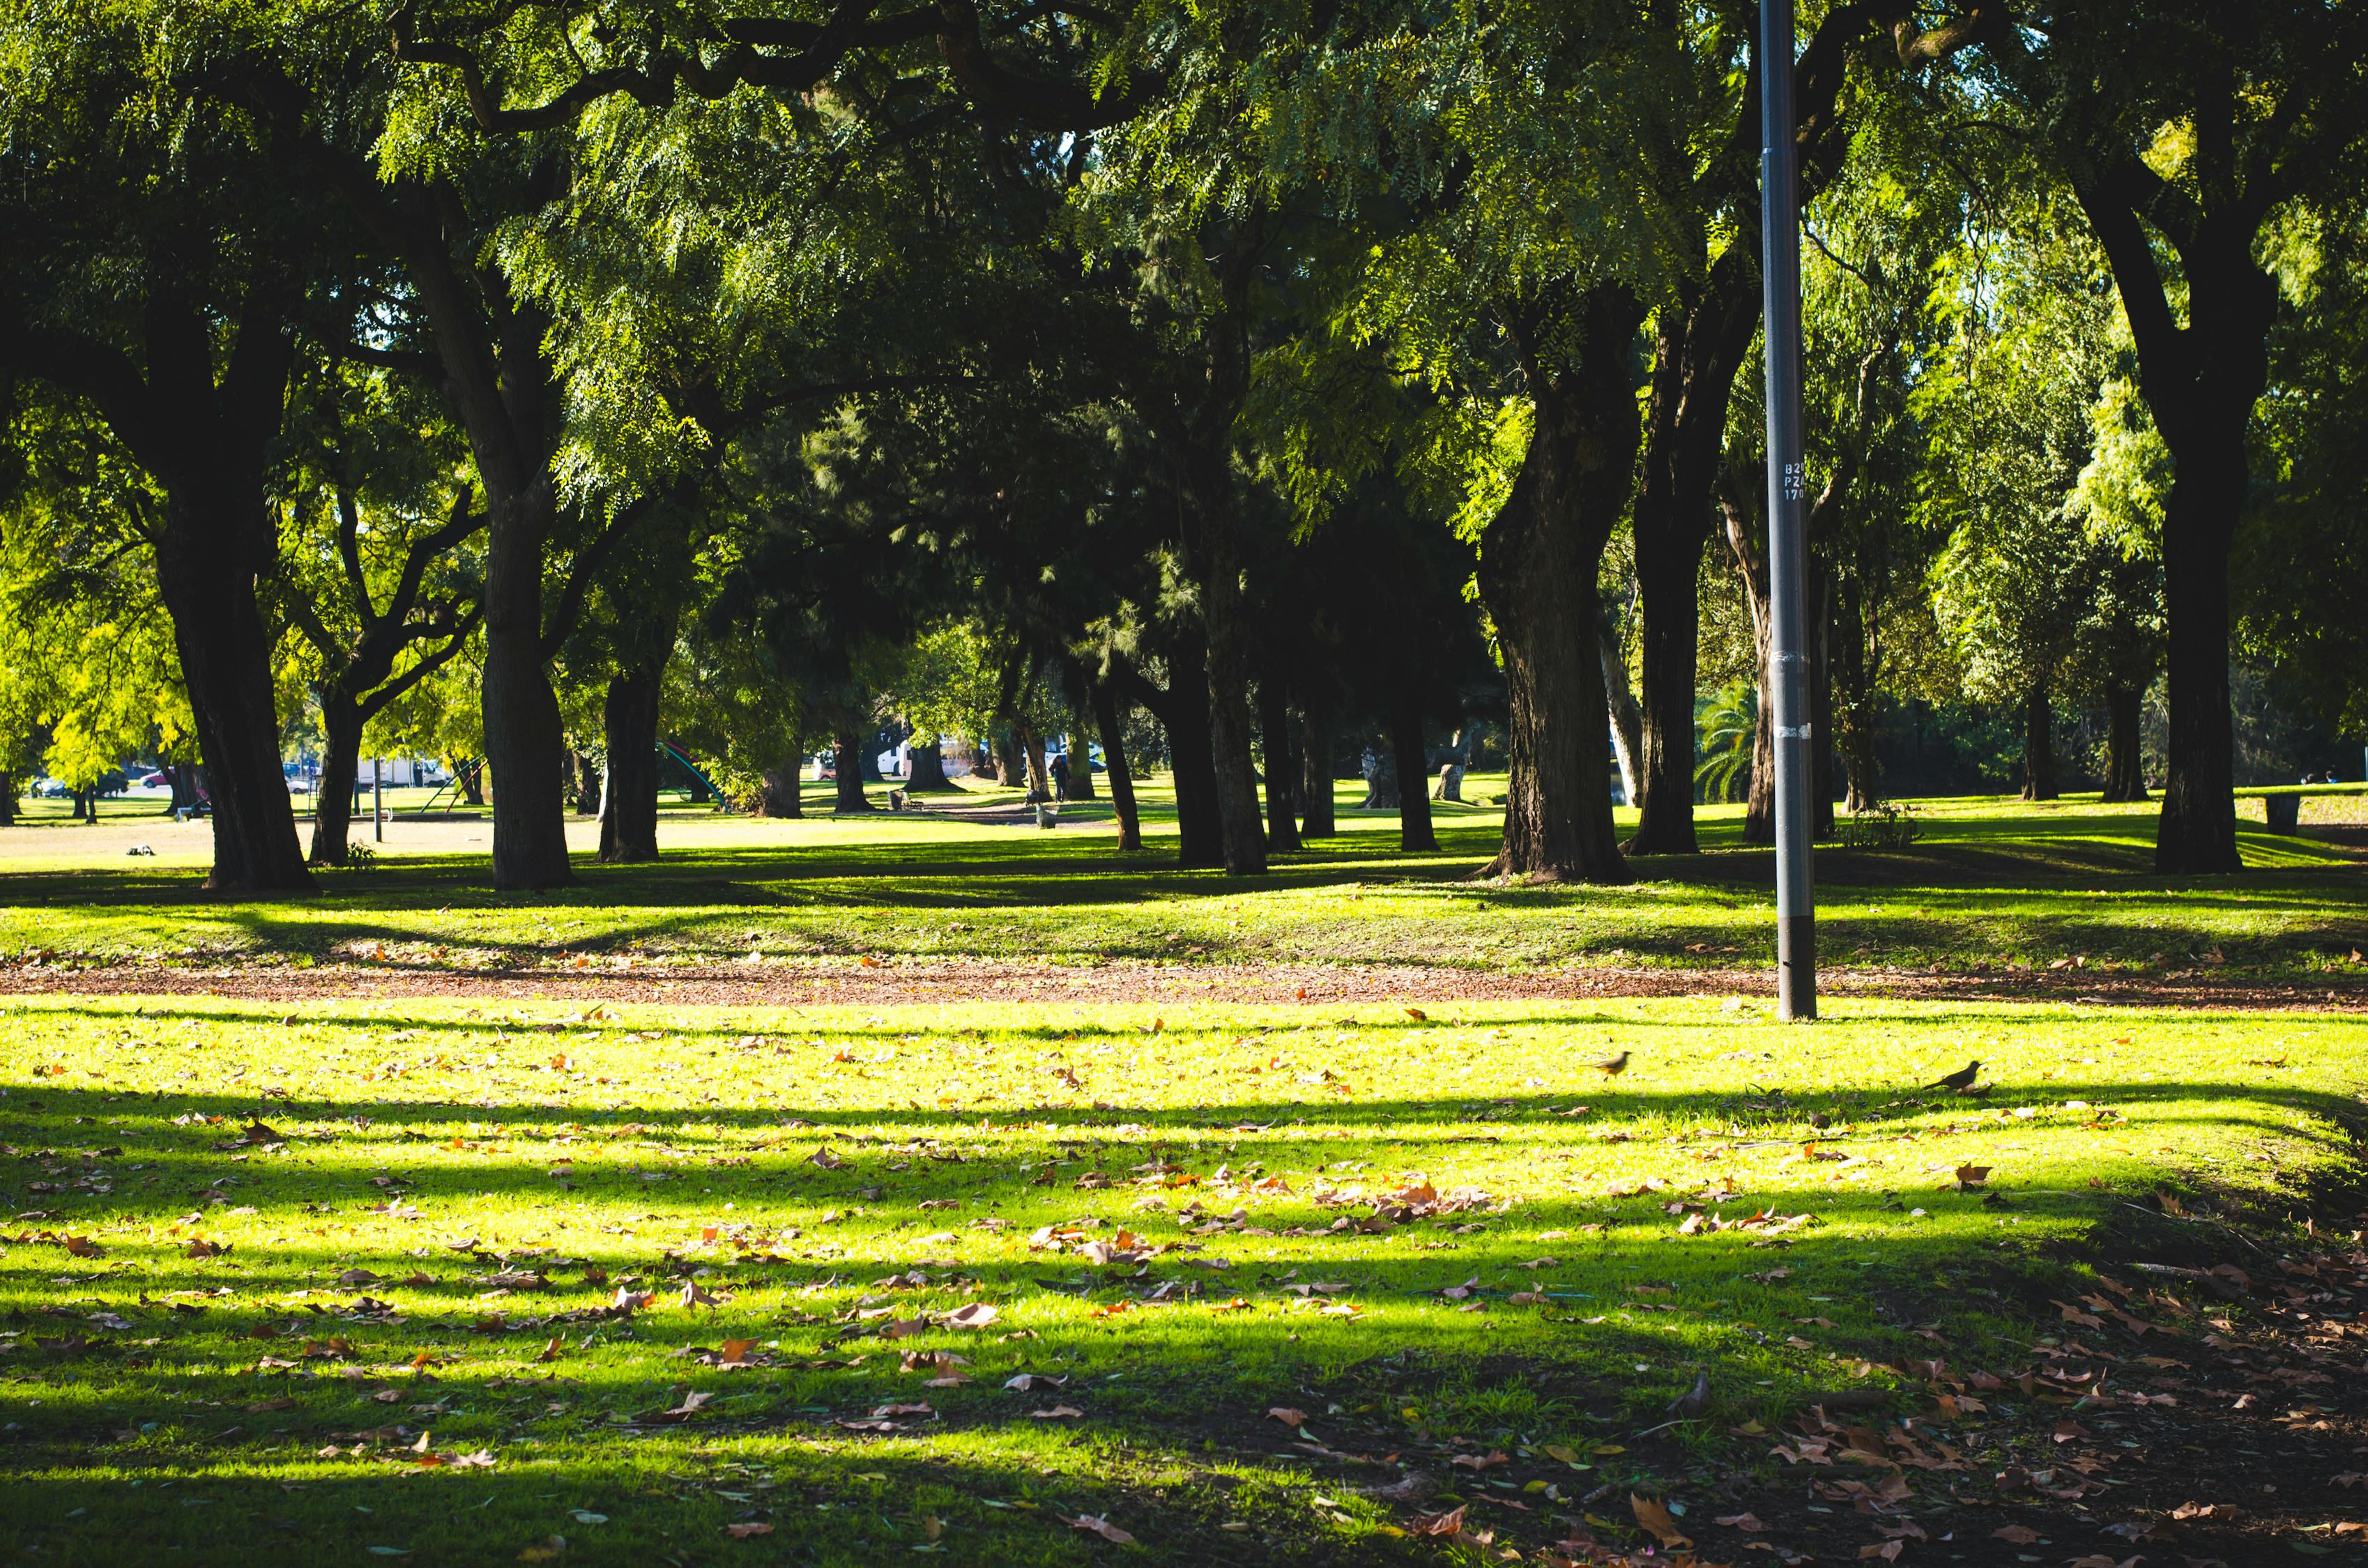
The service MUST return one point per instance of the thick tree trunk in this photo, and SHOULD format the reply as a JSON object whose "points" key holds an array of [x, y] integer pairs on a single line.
{"points": [[1200, 827], [1281, 769], [1122, 781], [8, 787], [1415, 831], [1081, 768], [1760, 804], [1699, 345], [2039, 745], [927, 768], [1381, 782], [208, 589], [1628, 722], [2198, 831], [629, 722], [1319, 817], [849, 765], [1224, 618], [1010, 758], [780, 792], [2124, 764], [1538, 560], [472, 783], [1031, 747], [523, 733], [332, 792]]}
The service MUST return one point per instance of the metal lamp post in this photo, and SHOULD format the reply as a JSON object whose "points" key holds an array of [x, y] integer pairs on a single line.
{"points": [[1780, 242]]}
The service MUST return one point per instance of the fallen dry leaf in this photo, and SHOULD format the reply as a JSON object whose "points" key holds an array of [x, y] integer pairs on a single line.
{"points": [[1058, 1412], [1746, 1522], [1094, 1524], [1287, 1415], [742, 1532], [1657, 1522], [2015, 1535]]}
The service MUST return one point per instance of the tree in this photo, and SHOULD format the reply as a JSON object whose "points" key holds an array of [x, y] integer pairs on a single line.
{"points": [[154, 266], [2189, 133], [376, 579]]}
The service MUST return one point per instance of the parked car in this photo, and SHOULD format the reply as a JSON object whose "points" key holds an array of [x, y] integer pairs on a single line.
{"points": [[50, 790]]}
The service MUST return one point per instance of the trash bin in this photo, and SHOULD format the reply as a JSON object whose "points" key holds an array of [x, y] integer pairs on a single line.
{"points": [[2284, 812], [1048, 816]]}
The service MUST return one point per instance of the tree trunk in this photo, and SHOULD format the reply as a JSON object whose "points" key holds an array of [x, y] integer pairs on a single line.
{"points": [[1200, 827], [1081, 768], [2039, 745], [472, 783], [1281, 769], [1415, 831], [523, 733], [1122, 782], [1031, 747], [1821, 702], [2198, 831], [584, 783], [1381, 782], [780, 793], [926, 770], [2125, 763], [849, 765], [1699, 345], [1853, 701], [1010, 764], [208, 589], [629, 722], [332, 792], [8, 798], [1628, 723], [1233, 773], [1538, 560], [1319, 819]]}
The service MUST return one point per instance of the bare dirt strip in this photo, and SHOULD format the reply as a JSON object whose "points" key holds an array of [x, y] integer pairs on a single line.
{"points": [[892, 982]]}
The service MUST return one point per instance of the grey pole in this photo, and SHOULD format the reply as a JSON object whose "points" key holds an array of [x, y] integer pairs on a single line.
{"points": [[1780, 250], [377, 801]]}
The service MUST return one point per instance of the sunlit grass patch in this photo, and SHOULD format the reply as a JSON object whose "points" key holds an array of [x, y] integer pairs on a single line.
{"points": [[692, 1268]]}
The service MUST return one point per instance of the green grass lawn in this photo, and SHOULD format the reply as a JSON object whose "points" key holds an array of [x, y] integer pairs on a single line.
{"points": [[385, 1320], [1987, 883]]}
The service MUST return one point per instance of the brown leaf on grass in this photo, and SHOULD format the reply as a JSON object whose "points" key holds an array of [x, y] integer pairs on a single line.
{"points": [[1287, 1415], [1095, 1523], [201, 1247], [83, 1246], [691, 1400], [1028, 1382], [744, 1532], [1489, 1461], [1971, 1177], [1418, 1015], [1657, 1522], [1887, 1551], [2015, 1535], [826, 1159], [735, 1352], [1058, 1412], [1447, 1523], [1746, 1522], [971, 1314], [550, 1351], [890, 1412]]}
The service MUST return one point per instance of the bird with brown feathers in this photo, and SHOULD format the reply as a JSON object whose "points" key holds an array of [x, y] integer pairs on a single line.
{"points": [[1959, 1081]]}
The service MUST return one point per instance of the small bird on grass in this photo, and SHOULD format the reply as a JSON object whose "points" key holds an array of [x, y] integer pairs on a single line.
{"points": [[1613, 1068], [1959, 1081]]}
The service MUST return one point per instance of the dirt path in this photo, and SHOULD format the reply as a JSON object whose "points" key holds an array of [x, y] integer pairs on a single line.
{"points": [[936, 981]]}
